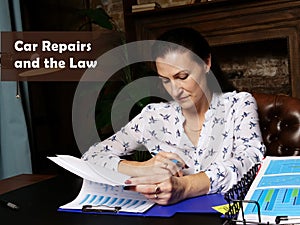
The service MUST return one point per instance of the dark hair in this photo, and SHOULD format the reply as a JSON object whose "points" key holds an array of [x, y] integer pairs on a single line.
{"points": [[183, 39]]}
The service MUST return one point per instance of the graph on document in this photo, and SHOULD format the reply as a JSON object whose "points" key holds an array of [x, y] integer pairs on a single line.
{"points": [[283, 166], [97, 194], [277, 201], [93, 199], [279, 181], [278, 190]]}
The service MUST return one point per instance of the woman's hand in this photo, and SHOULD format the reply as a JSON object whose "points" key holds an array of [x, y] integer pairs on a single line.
{"points": [[165, 192], [161, 164]]}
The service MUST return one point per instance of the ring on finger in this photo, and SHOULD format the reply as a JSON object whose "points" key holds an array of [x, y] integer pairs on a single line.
{"points": [[155, 196], [157, 189]]}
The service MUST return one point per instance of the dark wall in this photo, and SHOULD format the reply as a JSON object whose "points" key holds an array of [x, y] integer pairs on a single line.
{"points": [[52, 15], [51, 102]]}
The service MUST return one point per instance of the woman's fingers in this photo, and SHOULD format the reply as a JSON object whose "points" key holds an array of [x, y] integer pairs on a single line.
{"points": [[173, 157], [164, 192], [162, 163], [170, 161], [154, 192], [152, 179], [146, 189]]}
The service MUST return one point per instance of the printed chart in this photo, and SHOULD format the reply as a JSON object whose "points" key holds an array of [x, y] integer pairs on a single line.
{"points": [[283, 166], [275, 202], [92, 199], [104, 195], [278, 189]]}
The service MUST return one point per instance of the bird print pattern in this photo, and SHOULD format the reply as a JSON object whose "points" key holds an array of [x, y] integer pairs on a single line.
{"points": [[229, 144]]}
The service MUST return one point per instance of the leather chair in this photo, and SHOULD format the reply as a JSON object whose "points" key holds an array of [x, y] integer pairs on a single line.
{"points": [[279, 117]]}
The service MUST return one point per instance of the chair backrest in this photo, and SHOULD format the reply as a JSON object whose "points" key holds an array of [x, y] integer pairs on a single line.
{"points": [[279, 117]]}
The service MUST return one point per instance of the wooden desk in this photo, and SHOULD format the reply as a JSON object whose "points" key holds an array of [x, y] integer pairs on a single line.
{"points": [[39, 202], [16, 182]]}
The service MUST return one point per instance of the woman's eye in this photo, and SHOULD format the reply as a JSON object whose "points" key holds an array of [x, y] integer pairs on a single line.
{"points": [[183, 76], [164, 80]]}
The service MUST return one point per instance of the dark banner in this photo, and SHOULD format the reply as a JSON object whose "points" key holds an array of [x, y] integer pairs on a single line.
{"points": [[53, 56]]}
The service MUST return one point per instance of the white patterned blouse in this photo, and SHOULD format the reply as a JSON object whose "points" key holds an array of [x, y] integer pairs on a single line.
{"points": [[229, 144]]}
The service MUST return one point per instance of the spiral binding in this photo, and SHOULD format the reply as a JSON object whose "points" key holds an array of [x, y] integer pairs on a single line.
{"points": [[235, 196]]}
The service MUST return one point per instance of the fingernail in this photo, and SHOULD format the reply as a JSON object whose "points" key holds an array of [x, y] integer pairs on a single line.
{"points": [[128, 182]]}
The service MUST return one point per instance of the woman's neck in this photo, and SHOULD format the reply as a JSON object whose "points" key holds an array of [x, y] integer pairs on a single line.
{"points": [[197, 113], [194, 119]]}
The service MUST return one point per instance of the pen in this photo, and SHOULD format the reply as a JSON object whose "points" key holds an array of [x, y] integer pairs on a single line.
{"points": [[179, 164], [9, 204]]}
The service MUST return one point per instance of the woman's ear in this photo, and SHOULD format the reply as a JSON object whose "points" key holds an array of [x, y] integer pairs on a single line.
{"points": [[208, 64]]}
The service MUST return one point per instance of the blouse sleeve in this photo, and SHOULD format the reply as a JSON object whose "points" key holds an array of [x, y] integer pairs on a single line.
{"points": [[107, 153], [248, 147]]}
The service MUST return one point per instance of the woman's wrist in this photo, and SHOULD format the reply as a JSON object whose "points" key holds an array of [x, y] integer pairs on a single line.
{"points": [[195, 185], [131, 168]]}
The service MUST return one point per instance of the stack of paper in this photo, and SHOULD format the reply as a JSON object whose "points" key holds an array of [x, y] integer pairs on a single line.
{"points": [[102, 188]]}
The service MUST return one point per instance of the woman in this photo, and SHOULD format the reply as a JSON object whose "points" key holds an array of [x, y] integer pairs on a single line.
{"points": [[202, 142]]}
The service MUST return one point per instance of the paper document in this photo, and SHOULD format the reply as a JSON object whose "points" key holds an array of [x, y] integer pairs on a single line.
{"points": [[102, 189], [89, 171], [277, 190], [108, 198]]}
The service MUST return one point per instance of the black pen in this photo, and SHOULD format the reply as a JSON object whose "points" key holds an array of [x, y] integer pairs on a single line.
{"points": [[9, 204]]}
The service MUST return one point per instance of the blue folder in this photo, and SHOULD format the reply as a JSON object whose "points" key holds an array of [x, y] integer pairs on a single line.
{"points": [[201, 204]]}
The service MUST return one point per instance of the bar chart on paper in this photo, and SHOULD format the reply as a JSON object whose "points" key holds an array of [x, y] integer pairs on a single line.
{"points": [[276, 201], [104, 195], [278, 190]]}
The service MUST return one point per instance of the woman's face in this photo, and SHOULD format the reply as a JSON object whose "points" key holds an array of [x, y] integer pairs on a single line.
{"points": [[183, 78]]}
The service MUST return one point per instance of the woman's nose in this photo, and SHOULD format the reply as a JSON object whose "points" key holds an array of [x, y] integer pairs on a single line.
{"points": [[176, 89]]}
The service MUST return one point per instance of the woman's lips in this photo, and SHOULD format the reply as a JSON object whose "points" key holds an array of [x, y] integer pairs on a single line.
{"points": [[182, 98]]}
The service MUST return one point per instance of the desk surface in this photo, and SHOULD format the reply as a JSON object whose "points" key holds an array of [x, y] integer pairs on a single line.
{"points": [[13, 183], [39, 203]]}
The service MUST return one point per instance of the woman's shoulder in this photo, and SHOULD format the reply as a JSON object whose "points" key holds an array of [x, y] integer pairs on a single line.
{"points": [[239, 99], [238, 96], [161, 107]]}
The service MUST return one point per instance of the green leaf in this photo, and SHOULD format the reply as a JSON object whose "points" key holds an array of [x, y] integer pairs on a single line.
{"points": [[98, 16]]}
